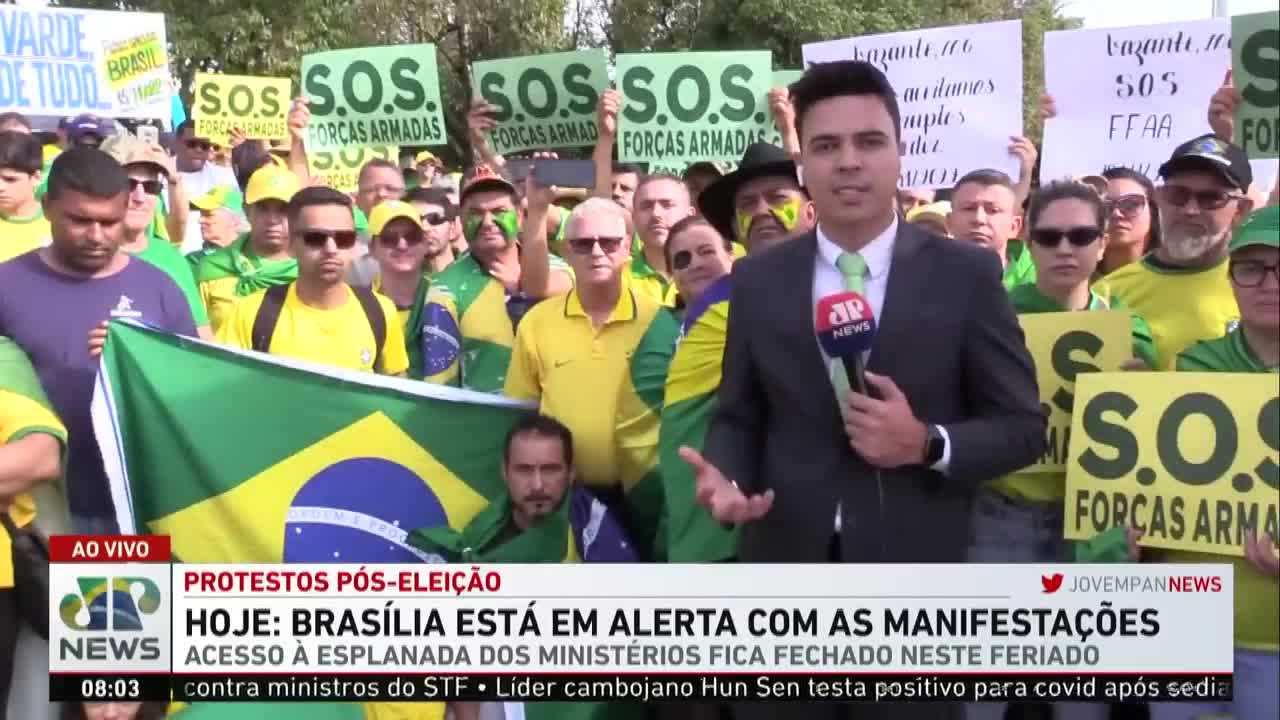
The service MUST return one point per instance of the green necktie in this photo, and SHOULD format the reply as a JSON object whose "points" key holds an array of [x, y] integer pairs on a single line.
{"points": [[852, 268]]}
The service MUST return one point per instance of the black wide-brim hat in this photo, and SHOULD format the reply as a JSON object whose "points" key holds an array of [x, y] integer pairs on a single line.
{"points": [[760, 160]]}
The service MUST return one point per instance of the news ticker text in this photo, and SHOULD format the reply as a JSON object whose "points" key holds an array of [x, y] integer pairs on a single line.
{"points": [[640, 687]]}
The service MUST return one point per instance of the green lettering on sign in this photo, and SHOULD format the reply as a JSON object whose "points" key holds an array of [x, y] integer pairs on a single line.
{"points": [[543, 101], [373, 96], [692, 106], [1255, 69]]}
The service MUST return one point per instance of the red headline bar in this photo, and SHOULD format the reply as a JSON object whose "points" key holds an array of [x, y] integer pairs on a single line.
{"points": [[108, 548]]}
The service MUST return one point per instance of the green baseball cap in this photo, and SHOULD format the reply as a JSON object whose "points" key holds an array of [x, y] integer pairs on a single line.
{"points": [[1261, 228], [219, 198]]}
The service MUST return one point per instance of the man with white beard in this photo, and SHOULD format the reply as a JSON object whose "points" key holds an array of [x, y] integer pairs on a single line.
{"points": [[1182, 287]]}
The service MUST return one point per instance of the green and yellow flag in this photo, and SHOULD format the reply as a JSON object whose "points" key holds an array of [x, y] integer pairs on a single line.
{"points": [[690, 534], [242, 457]]}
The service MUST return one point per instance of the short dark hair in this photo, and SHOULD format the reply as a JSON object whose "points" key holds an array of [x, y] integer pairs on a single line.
{"points": [[538, 424], [688, 224], [7, 118], [21, 151], [87, 171], [246, 159], [823, 81], [1066, 190], [185, 125], [1149, 189], [620, 168], [432, 196], [377, 163], [316, 195], [660, 177], [986, 177]]}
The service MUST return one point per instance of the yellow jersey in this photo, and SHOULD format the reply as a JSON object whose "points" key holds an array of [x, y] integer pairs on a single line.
{"points": [[19, 236], [23, 411], [340, 337], [1182, 307], [575, 371]]}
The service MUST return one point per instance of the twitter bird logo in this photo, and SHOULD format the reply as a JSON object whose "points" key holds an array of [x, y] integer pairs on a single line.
{"points": [[1051, 583]]}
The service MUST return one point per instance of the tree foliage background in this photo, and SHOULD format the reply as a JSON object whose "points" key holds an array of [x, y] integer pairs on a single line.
{"points": [[269, 37]]}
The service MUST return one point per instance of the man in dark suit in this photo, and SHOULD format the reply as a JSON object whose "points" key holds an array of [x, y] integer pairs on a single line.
{"points": [[814, 471]]}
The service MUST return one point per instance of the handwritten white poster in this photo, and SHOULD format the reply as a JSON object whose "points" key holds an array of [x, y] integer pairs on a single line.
{"points": [[1129, 96], [62, 61], [959, 91]]}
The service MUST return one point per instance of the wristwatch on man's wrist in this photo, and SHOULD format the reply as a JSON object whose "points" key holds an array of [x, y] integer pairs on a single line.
{"points": [[935, 446]]}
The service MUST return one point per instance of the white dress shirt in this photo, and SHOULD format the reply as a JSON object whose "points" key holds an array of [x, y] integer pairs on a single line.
{"points": [[827, 280]]}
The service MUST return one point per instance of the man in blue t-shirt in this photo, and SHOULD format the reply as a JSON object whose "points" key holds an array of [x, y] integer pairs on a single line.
{"points": [[55, 303]]}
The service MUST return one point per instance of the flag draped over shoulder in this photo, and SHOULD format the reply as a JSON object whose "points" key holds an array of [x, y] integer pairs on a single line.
{"points": [[242, 457], [691, 535], [637, 422]]}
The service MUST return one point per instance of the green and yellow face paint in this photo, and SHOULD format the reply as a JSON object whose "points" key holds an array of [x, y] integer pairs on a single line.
{"points": [[508, 221], [787, 213]]}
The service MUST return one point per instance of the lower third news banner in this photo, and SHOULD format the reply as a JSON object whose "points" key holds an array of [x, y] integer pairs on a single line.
{"points": [[644, 633]]}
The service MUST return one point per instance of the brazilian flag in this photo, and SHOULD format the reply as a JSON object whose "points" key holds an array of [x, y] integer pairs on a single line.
{"points": [[242, 457], [689, 532]]}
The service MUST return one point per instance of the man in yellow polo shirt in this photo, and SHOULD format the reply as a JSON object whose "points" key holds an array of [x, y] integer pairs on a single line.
{"points": [[260, 258], [573, 352], [320, 317], [1181, 287], [31, 443]]}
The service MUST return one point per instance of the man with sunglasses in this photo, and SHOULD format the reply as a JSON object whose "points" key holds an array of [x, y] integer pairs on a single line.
{"points": [[191, 155], [588, 355], [439, 217], [473, 307], [146, 165], [1181, 287], [319, 317], [399, 245], [259, 259]]}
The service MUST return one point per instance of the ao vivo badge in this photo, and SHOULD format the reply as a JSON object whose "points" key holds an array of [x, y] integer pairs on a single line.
{"points": [[109, 617]]}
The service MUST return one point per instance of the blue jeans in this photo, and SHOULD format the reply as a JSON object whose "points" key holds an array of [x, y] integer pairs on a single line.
{"points": [[1005, 530], [1257, 695]]}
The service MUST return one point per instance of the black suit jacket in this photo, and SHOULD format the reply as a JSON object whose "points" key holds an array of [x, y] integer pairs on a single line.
{"points": [[948, 337]]}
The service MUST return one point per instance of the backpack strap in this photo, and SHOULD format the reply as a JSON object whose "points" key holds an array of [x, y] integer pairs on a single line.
{"points": [[264, 323], [377, 321]]}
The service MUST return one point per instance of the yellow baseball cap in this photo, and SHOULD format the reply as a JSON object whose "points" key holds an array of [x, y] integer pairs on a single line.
{"points": [[221, 196], [271, 182], [384, 212], [424, 156]]}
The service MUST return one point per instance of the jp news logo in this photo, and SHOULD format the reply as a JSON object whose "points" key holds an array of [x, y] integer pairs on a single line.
{"points": [[109, 603]]}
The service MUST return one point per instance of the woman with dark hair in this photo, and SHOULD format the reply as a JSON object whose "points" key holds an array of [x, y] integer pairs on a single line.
{"points": [[1133, 218]]}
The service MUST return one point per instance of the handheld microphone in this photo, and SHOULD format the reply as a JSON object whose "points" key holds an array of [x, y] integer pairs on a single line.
{"points": [[846, 328]]}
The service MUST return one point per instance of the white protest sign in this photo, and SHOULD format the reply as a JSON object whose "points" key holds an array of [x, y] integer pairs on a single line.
{"points": [[1129, 96], [959, 91], [62, 61]]}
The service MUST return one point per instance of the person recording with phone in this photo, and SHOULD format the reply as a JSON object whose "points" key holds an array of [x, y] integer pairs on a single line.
{"points": [[951, 390]]}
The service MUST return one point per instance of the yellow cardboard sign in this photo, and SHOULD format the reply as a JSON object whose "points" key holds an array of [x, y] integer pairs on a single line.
{"points": [[259, 106], [130, 59], [340, 169], [1191, 459], [1063, 344]]}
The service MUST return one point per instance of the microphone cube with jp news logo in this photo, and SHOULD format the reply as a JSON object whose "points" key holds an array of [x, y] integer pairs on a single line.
{"points": [[845, 323], [110, 618]]}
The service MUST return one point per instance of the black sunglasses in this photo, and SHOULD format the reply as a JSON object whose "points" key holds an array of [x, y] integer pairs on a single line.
{"points": [[150, 187], [1128, 205], [344, 239], [681, 260], [1179, 196], [583, 246], [1077, 236], [434, 219], [1251, 273], [198, 145], [392, 239]]}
